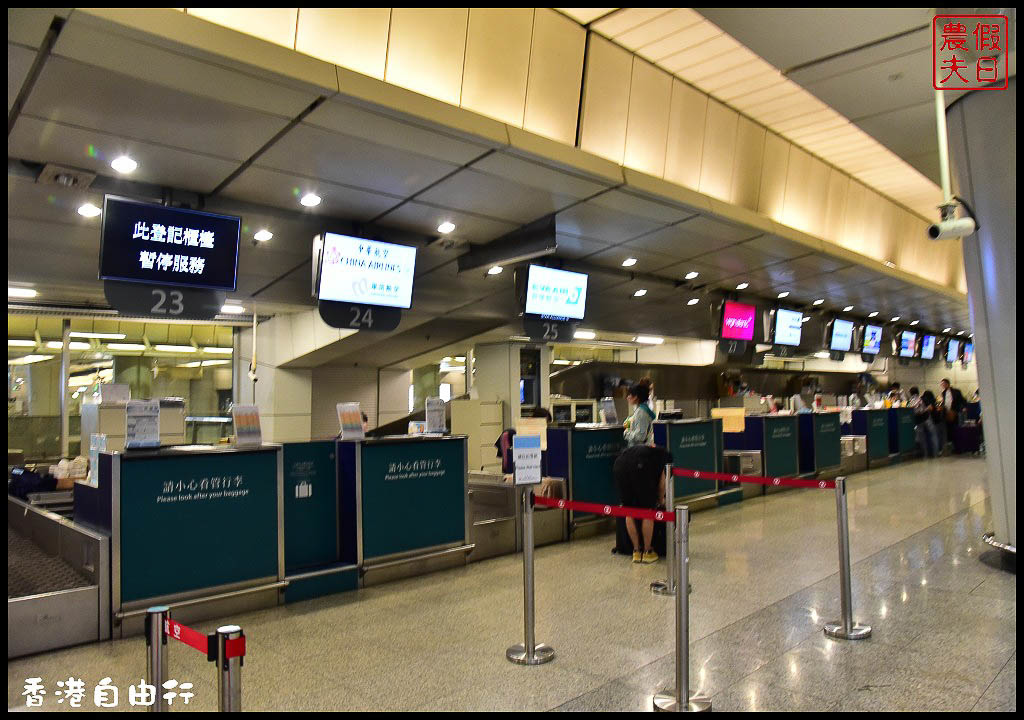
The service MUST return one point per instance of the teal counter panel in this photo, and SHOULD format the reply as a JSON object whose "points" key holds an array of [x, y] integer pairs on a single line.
{"points": [[781, 446], [310, 505], [413, 495], [827, 444], [695, 446], [189, 522], [593, 456]]}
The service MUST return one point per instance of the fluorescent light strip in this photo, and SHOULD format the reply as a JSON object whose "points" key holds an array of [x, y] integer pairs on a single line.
{"points": [[585, 335], [98, 336], [174, 348], [21, 343], [218, 350], [134, 347], [20, 292], [649, 340], [57, 345]]}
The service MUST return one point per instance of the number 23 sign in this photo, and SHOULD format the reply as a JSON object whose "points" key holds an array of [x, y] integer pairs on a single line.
{"points": [[160, 301]]}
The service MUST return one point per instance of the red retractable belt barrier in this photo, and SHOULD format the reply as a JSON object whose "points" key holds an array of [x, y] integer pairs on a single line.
{"points": [[195, 639], [612, 510], [730, 477]]}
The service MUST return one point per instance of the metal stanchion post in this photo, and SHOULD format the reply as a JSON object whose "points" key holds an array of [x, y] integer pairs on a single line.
{"points": [[668, 586], [679, 699], [156, 654], [529, 653], [229, 671], [845, 628]]}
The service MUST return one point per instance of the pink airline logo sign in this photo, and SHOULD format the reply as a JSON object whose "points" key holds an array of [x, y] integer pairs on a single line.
{"points": [[738, 321]]}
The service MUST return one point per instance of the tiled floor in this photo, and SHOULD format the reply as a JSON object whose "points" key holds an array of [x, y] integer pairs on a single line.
{"points": [[764, 583]]}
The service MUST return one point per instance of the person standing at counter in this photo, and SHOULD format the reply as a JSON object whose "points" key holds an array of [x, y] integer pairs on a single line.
{"points": [[924, 428], [640, 425], [640, 480], [951, 404]]}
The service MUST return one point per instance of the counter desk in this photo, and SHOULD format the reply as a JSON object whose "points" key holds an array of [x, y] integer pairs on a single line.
{"points": [[820, 444], [777, 439], [584, 456], [874, 426], [902, 435], [197, 527]]}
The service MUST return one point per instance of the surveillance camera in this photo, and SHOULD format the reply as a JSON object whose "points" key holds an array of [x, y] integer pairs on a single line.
{"points": [[947, 229]]}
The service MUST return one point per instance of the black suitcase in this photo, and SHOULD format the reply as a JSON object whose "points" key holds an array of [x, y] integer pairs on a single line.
{"points": [[966, 439], [624, 546]]}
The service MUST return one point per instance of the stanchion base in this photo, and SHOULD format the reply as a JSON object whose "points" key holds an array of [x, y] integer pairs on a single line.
{"points": [[541, 654], [662, 587], [666, 702], [857, 632]]}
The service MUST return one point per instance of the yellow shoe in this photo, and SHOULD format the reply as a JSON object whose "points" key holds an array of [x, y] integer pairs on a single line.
{"points": [[638, 557], [649, 557]]}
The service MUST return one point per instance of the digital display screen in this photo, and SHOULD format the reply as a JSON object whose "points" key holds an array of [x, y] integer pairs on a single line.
{"points": [[842, 335], [968, 352], [928, 347], [952, 351], [788, 324], [872, 339], [738, 321], [556, 293], [368, 272], [158, 245], [908, 343]]}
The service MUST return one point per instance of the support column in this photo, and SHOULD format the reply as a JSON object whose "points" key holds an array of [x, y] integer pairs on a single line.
{"points": [[982, 129]]}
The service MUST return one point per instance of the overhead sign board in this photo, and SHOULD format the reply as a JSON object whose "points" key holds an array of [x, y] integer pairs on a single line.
{"points": [[366, 272], [158, 245], [556, 294]]}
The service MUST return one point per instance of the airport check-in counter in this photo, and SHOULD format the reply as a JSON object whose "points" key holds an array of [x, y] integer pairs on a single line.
{"points": [[874, 426], [902, 436], [584, 456], [497, 523], [820, 443], [698, 445], [776, 437], [199, 528]]}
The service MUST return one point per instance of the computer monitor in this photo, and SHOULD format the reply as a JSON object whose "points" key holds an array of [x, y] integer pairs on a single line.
{"points": [[872, 344], [841, 339]]}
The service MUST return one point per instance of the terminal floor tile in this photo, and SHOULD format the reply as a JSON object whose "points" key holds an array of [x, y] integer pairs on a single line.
{"points": [[764, 578]]}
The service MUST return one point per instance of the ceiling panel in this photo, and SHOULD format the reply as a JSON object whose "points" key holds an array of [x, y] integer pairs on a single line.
{"points": [[573, 246], [652, 262], [424, 218], [347, 160], [736, 259], [97, 99], [284, 190], [601, 223], [474, 191], [631, 203], [19, 62], [46, 141], [535, 175]]}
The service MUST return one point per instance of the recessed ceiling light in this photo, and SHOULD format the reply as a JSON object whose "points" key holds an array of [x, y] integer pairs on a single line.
{"points": [[783, 294], [629, 262], [460, 358], [585, 335], [446, 227], [819, 301], [874, 314], [895, 319], [914, 322], [124, 164], [822, 355], [98, 336], [232, 309], [649, 339], [691, 275], [848, 308], [21, 292], [693, 301], [640, 293], [743, 286], [495, 270], [89, 210], [311, 200], [804, 319], [960, 333], [889, 264], [263, 235], [446, 359], [945, 330]]}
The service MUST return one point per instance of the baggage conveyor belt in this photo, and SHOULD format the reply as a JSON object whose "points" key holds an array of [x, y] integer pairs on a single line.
{"points": [[30, 571]]}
